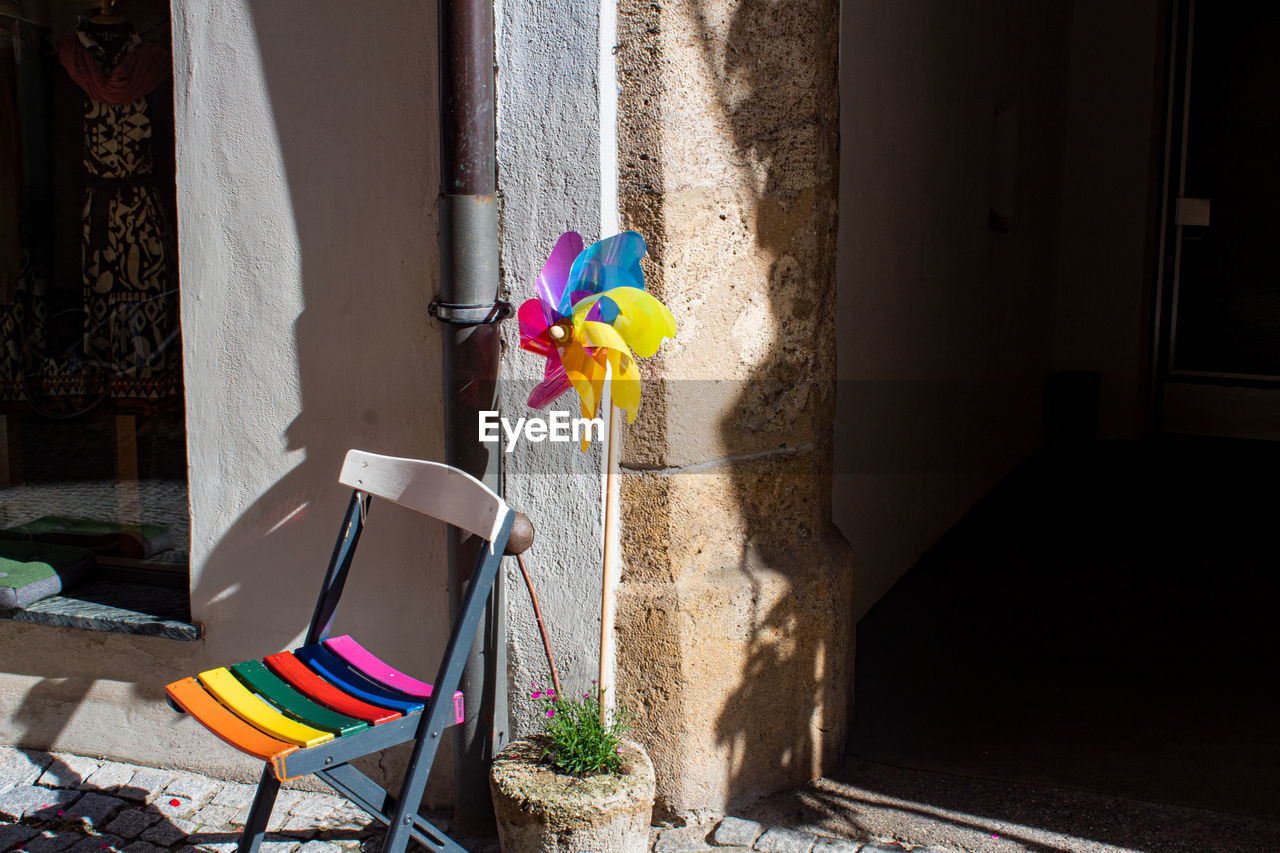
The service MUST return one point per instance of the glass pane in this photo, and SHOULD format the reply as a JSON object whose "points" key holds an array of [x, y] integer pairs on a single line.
{"points": [[92, 436], [1228, 318]]}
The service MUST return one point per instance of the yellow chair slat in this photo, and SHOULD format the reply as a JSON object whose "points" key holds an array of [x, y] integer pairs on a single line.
{"points": [[230, 692]]}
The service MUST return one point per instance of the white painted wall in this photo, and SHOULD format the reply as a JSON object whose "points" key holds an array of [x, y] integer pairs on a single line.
{"points": [[549, 174], [945, 328], [307, 179], [307, 174]]}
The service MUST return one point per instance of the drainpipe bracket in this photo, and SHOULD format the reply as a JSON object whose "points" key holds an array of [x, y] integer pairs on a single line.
{"points": [[474, 314]]}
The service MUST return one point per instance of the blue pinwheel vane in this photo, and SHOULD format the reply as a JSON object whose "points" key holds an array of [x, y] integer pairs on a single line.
{"points": [[590, 319]]}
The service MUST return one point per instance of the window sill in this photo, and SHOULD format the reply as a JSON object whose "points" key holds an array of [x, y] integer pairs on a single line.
{"points": [[121, 608]]}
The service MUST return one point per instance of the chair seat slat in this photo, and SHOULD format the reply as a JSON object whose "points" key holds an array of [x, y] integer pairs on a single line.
{"points": [[358, 656], [197, 702], [227, 689], [304, 679], [368, 664], [267, 684], [342, 674]]}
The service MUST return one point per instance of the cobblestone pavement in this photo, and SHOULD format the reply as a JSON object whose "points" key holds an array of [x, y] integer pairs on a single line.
{"points": [[58, 803], [736, 834], [54, 803]]}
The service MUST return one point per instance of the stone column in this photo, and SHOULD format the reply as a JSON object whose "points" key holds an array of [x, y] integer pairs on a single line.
{"points": [[734, 633]]}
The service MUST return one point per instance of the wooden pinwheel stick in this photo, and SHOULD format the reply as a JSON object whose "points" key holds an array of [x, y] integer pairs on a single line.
{"points": [[611, 560]]}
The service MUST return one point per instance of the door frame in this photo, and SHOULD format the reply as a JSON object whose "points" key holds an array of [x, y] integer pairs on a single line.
{"points": [[1197, 401]]}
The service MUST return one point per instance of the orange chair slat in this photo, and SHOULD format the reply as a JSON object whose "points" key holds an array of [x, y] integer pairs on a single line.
{"points": [[247, 705], [197, 702]]}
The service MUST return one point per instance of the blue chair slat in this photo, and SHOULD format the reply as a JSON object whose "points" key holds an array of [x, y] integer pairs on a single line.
{"points": [[346, 677]]}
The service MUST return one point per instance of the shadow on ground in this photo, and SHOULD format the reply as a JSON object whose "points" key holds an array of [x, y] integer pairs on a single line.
{"points": [[60, 804], [864, 801]]}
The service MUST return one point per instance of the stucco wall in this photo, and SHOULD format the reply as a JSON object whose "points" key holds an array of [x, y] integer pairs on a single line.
{"points": [[550, 180], [307, 177], [944, 326]]}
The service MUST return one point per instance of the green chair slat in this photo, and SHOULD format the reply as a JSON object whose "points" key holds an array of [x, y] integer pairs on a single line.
{"points": [[267, 684]]}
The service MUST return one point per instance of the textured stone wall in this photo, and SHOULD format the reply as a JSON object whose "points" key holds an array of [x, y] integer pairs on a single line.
{"points": [[734, 631]]}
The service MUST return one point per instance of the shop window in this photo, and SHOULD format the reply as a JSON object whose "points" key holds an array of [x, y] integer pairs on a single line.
{"points": [[92, 432]]}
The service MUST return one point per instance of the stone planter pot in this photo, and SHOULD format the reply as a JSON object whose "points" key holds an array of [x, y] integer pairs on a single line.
{"points": [[541, 811]]}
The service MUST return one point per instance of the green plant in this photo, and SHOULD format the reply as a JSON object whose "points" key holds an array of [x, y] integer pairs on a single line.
{"points": [[580, 742]]}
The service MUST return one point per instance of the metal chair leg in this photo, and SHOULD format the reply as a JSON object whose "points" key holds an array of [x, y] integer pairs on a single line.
{"points": [[399, 828], [260, 814]]}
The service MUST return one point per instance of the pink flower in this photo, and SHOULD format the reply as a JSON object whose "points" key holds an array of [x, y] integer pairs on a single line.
{"points": [[551, 712], [537, 695]]}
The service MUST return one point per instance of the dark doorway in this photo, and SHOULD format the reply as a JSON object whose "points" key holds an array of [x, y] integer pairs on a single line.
{"points": [[1102, 621]]}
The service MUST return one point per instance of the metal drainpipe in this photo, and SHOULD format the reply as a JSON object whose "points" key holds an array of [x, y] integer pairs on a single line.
{"points": [[469, 311]]}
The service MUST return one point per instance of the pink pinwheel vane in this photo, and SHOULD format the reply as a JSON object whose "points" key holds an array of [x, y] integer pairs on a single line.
{"points": [[590, 319]]}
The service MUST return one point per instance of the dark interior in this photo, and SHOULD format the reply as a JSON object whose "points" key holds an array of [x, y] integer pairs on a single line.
{"points": [[1104, 620]]}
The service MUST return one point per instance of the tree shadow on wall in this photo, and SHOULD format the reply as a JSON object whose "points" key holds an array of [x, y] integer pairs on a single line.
{"points": [[774, 68]]}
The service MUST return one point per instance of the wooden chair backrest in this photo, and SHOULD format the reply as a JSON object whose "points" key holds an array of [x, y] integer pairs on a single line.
{"points": [[430, 488]]}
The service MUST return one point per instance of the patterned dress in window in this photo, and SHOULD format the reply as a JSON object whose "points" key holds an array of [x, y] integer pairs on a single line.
{"points": [[131, 338]]}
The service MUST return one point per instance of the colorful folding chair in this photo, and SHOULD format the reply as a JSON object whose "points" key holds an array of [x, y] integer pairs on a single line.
{"points": [[317, 708]]}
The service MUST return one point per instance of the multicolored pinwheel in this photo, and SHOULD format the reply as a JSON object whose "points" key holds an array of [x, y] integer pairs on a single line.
{"points": [[590, 314]]}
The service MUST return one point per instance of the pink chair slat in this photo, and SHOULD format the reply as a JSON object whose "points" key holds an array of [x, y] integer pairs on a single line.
{"points": [[362, 659]]}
